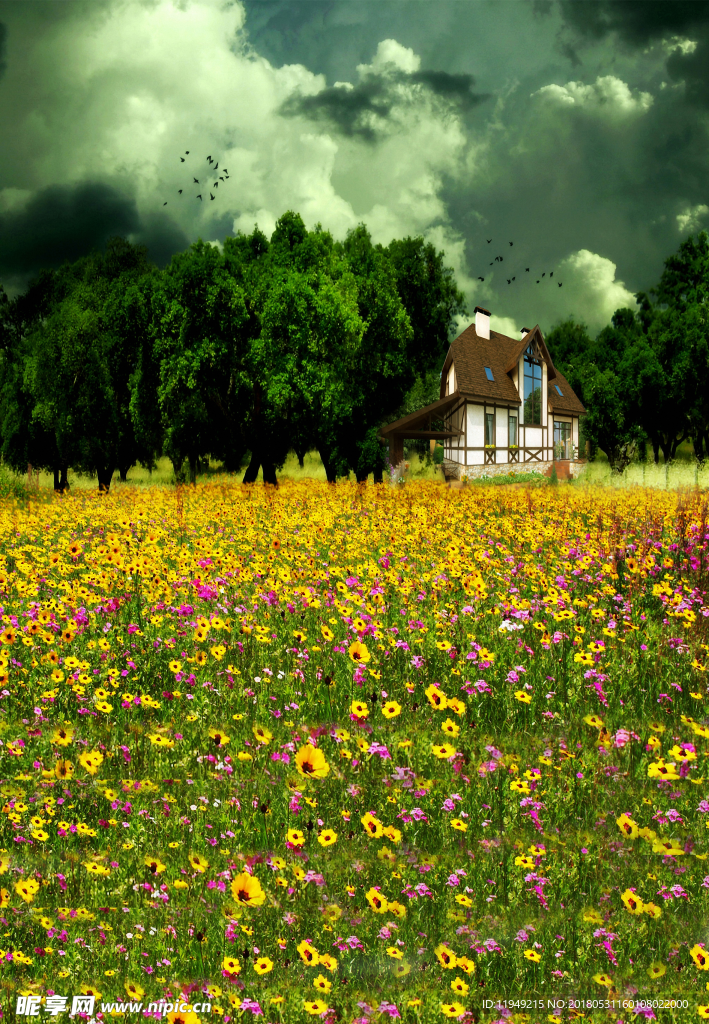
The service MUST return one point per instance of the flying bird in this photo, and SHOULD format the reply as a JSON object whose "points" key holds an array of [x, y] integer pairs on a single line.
{"points": [[526, 270], [537, 282], [216, 166], [164, 204], [179, 191], [216, 184], [187, 152], [182, 159], [209, 158], [543, 274], [211, 196], [196, 181], [508, 281], [513, 279], [552, 274], [560, 284], [511, 243], [199, 197], [491, 264], [220, 178], [489, 240], [481, 279]]}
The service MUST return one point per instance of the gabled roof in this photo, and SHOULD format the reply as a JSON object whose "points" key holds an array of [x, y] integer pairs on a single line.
{"points": [[471, 354], [569, 403], [419, 420], [534, 335]]}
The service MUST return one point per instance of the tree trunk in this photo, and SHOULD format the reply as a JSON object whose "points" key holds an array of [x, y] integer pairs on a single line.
{"points": [[379, 476], [64, 482], [361, 477], [656, 451], [193, 469], [252, 469], [269, 473], [105, 475], [123, 470], [329, 469], [56, 478], [301, 453]]}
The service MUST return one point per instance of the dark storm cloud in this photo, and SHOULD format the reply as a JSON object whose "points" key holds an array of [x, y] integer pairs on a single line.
{"points": [[3, 48], [636, 22], [351, 111], [346, 110], [456, 88], [62, 223]]}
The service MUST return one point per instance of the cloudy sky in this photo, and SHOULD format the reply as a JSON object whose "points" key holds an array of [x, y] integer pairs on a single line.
{"points": [[575, 129]]}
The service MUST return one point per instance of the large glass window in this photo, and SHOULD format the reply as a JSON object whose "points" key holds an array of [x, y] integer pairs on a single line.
{"points": [[512, 428], [489, 428], [562, 440], [532, 391]]}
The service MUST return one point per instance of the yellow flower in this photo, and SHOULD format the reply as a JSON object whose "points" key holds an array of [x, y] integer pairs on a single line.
{"points": [[198, 863], [460, 987], [315, 1007], [62, 736], [377, 902], [633, 904], [458, 824], [372, 826], [262, 734], [134, 990], [219, 737], [322, 983], [358, 652], [436, 698], [327, 837], [231, 965], [310, 762], [452, 1009], [27, 889], [446, 957], [359, 708], [523, 697], [63, 769], [533, 954], [603, 979], [308, 953], [627, 826], [700, 957], [246, 890], [391, 709], [263, 965], [295, 837], [91, 761], [656, 971], [443, 750], [154, 865]]}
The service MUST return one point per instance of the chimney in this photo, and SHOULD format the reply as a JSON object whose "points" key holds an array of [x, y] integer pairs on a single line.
{"points": [[525, 331], [482, 322]]}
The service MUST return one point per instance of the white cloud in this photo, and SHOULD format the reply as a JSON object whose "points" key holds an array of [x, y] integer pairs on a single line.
{"points": [[12, 200], [391, 54], [591, 290], [690, 218], [505, 325], [128, 89], [608, 97], [684, 46]]}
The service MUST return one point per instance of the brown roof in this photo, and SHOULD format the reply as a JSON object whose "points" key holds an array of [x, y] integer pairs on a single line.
{"points": [[569, 403], [471, 354], [418, 420]]}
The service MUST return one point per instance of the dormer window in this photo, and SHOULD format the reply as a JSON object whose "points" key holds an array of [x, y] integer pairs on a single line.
{"points": [[532, 389], [488, 373], [559, 392]]}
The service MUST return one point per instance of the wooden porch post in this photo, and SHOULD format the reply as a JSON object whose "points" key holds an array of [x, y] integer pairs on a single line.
{"points": [[396, 449]]}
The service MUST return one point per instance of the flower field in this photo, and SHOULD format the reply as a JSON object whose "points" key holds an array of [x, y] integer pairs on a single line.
{"points": [[356, 754]]}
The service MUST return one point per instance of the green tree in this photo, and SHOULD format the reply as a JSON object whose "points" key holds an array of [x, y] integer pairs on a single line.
{"points": [[199, 317]]}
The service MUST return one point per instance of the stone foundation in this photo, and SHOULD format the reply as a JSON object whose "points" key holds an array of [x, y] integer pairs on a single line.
{"points": [[456, 471]]}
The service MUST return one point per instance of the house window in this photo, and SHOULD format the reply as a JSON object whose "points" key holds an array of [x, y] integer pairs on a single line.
{"points": [[488, 373], [512, 430], [559, 392], [532, 391], [489, 428], [562, 440]]}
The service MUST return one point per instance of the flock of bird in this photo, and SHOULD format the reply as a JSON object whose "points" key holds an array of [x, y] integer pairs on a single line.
{"points": [[499, 259], [224, 176]]}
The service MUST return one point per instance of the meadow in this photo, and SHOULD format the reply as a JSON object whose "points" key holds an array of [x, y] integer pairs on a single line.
{"points": [[356, 753]]}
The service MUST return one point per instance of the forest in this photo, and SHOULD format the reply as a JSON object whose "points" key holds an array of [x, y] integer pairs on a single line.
{"points": [[248, 351]]}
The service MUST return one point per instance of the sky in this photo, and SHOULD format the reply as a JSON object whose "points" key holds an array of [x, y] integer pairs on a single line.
{"points": [[573, 133]]}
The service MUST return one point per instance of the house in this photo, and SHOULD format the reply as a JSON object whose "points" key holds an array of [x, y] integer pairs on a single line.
{"points": [[503, 403]]}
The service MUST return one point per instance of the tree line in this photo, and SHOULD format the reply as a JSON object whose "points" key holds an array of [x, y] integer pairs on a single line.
{"points": [[257, 348], [645, 378]]}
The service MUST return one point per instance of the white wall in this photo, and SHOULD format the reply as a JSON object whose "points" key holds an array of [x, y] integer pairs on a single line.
{"points": [[575, 432], [501, 428], [476, 428], [532, 437], [451, 379], [545, 417], [475, 458]]}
